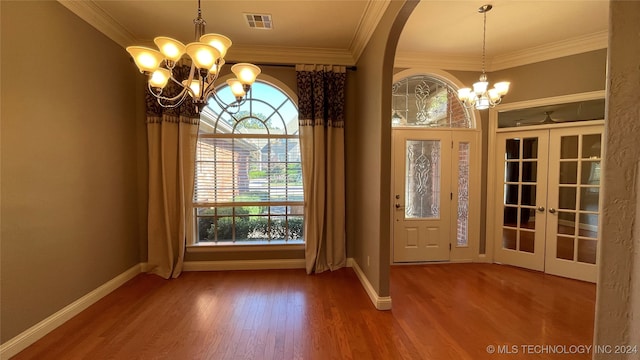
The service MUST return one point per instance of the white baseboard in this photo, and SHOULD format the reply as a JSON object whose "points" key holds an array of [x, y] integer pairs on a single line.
{"points": [[37, 331], [244, 265], [380, 302]]}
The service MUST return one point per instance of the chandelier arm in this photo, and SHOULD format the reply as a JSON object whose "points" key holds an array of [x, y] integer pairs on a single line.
{"points": [[211, 86], [227, 107], [232, 112], [172, 103], [180, 95], [224, 105]]}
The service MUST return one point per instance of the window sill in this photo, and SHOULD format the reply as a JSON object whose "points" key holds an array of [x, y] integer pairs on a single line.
{"points": [[204, 247]]}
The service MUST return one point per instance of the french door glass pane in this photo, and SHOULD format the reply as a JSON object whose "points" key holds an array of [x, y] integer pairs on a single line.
{"points": [[589, 225], [590, 173], [587, 251], [569, 172], [564, 248], [566, 223], [511, 194], [512, 149], [512, 171], [510, 216], [509, 238], [529, 171], [591, 146], [527, 241], [527, 218], [567, 198], [528, 195], [530, 148], [569, 147], [422, 179], [589, 199]]}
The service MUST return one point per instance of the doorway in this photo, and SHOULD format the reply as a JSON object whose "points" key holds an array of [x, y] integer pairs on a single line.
{"points": [[435, 187], [548, 196]]}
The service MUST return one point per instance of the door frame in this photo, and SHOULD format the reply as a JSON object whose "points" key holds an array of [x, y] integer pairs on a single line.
{"points": [[472, 253], [491, 231]]}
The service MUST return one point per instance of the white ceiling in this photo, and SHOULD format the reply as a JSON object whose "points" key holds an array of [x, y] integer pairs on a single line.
{"points": [[441, 34]]}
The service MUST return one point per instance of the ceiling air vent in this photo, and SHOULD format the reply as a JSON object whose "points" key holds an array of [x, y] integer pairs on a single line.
{"points": [[259, 21]]}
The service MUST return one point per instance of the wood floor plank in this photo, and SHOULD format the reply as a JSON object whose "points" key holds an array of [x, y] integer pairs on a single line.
{"points": [[440, 312]]}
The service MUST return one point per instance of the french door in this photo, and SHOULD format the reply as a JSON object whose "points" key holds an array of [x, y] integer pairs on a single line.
{"points": [[434, 195], [550, 200]]}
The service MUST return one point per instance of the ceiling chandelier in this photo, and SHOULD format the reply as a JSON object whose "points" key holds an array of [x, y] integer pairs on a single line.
{"points": [[207, 58], [481, 97]]}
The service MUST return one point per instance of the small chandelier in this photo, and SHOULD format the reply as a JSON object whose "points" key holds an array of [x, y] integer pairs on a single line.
{"points": [[207, 57], [481, 97]]}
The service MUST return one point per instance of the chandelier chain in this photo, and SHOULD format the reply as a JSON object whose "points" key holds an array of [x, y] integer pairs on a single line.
{"points": [[484, 40], [481, 97]]}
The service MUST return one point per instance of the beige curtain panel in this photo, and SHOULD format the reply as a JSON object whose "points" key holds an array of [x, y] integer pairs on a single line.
{"points": [[172, 135], [321, 92]]}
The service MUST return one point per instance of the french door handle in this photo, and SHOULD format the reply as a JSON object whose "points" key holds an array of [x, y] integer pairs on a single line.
{"points": [[398, 206], [552, 210], [540, 208]]}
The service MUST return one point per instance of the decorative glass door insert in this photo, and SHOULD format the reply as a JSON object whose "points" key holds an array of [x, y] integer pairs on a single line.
{"points": [[422, 181]]}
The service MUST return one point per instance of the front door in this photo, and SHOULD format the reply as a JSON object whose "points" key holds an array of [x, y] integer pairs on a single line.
{"points": [[422, 195]]}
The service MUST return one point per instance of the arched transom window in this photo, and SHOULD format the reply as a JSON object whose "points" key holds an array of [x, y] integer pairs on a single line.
{"points": [[426, 101]]}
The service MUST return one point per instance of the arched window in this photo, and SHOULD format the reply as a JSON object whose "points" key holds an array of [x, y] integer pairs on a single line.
{"points": [[248, 187], [426, 101]]}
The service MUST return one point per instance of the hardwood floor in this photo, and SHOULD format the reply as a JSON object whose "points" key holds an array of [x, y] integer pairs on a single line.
{"points": [[440, 312]]}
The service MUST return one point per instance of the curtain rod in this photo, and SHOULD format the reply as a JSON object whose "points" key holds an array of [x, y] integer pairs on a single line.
{"points": [[352, 68]]}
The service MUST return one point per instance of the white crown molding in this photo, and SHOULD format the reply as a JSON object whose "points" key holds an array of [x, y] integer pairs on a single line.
{"points": [[577, 45], [39, 330], [532, 55], [88, 11], [562, 99], [289, 55], [407, 59], [367, 25]]}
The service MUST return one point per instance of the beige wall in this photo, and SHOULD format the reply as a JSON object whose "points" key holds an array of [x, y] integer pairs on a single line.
{"points": [[563, 76], [368, 150], [72, 212], [618, 296]]}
